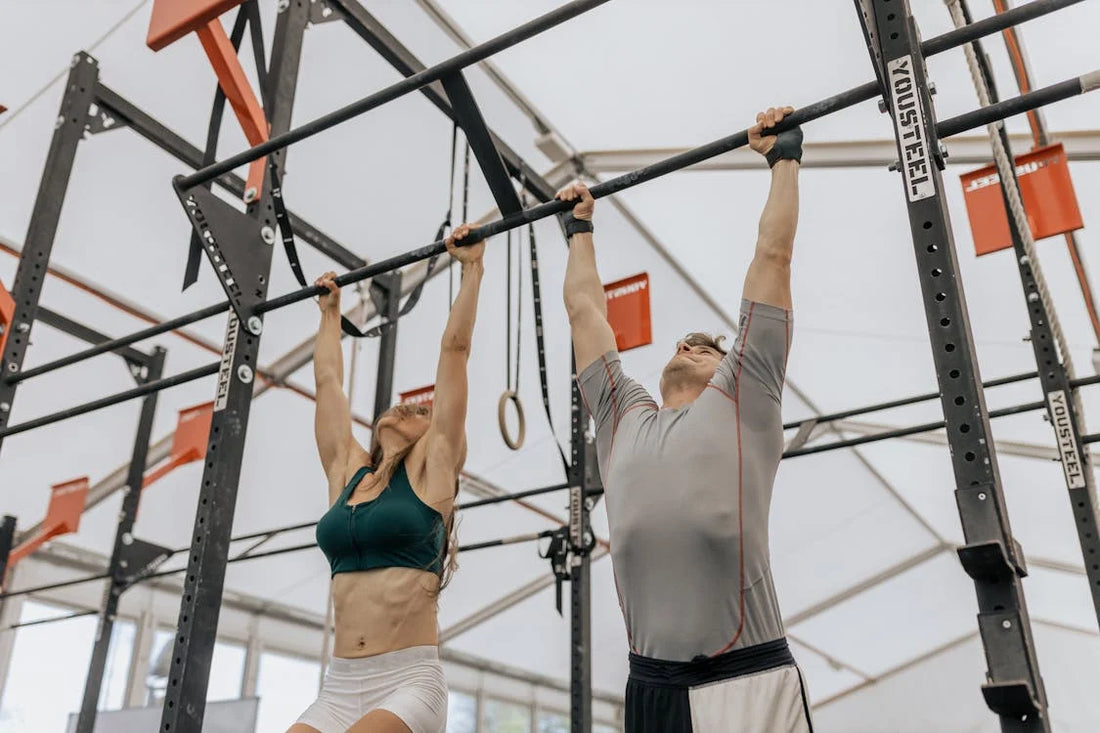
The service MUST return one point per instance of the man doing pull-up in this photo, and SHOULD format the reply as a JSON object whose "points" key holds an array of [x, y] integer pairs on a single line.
{"points": [[689, 484]]}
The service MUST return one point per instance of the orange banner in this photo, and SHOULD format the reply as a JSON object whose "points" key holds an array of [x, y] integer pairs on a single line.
{"points": [[1046, 190], [628, 311], [7, 313]]}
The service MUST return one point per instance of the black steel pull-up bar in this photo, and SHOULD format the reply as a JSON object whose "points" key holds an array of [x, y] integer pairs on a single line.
{"points": [[952, 126], [939, 44], [398, 89], [952, 39], [970, 120], [878, 406], [148, 388]]}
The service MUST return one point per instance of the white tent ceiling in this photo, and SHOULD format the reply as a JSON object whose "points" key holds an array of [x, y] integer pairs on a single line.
{"points": [[879, 610]]}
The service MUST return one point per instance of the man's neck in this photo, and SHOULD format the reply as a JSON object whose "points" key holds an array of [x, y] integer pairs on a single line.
{"points": [[678, 397]]}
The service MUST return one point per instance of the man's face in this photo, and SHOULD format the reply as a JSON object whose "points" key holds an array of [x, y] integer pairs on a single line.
{"points": [[693, 365]]}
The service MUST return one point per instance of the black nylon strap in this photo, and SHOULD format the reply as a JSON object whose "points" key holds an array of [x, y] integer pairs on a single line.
{"points": [[256, 34], [540, 342], [465, 213], [210, 154], [286, 231]]}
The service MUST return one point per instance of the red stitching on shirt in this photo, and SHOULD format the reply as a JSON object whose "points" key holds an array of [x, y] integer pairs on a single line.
{"points": [[726, 394], [614, 408], [740, 481], [622, 610], [644, 403], [786, 347]]}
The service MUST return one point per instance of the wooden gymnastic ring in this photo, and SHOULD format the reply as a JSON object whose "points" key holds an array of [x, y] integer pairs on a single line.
{"points": [[502, 406]]}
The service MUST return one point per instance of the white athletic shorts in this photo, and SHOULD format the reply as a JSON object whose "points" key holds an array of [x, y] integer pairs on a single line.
{"points": [[408, 683]]}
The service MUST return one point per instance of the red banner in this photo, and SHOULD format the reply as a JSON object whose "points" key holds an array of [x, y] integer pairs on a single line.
{"points": [[628, 311], [1046, 190]]}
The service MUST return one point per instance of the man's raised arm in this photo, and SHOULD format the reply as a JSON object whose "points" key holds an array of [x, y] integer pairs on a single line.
{"points": [[583, 291], [768, 279]]}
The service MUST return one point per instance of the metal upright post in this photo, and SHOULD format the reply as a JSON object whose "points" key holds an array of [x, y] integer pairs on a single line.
{"points": [[385, 290], [1055, 369], [69, 127], [584, 475], [991, 557], [121, 566], [244, 276]]}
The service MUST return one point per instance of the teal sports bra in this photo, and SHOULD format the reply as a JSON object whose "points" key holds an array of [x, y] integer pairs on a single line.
{"points": [[394, 530]]}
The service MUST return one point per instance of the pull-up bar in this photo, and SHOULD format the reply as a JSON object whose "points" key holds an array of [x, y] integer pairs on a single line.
{"points": [[952, 39], [399, 89], [951, 126], [954, 125]]}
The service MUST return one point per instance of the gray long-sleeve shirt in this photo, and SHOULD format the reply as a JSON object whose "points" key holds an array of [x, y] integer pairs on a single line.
{"points": [[688, 493]]}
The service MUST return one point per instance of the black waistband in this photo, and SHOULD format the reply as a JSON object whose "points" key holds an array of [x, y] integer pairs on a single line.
{"points": [[736, 663]]}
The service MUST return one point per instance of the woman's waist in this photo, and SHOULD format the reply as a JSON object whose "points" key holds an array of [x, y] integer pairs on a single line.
{"points": [[386, 585], [412, 659], [378, 611]]}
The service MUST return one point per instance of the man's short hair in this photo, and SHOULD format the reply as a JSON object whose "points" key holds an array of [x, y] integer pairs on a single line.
{"points": [[697, 338]]}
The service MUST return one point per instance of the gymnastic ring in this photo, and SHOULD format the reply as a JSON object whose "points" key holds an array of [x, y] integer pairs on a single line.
{"points": [[502, 406]]}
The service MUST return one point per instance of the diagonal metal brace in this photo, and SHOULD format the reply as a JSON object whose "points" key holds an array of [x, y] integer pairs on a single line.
{"points": [[235, 245], [468, 116]]}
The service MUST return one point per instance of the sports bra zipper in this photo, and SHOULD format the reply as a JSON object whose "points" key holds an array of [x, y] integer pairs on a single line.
{"points": [[351, 532]]}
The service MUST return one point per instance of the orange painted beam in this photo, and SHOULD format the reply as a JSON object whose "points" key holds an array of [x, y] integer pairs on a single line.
{"points": [[173, 19], [7, 313], [62, 517], [239, 94]]}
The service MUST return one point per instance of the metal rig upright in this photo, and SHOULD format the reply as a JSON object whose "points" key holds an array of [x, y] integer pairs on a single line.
{"points": [[991, 557]]}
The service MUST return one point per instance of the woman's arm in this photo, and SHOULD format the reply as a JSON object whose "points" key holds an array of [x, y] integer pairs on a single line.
{"points": [[448, 429], [332, 419]]}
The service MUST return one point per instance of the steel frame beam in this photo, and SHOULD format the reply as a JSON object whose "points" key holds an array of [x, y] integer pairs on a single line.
{"points": [[992, 557], [397, 90], [73, 119], [185, 696], [117, 567], [124, 112], [90, 335], [367, 27], [467, 115]]}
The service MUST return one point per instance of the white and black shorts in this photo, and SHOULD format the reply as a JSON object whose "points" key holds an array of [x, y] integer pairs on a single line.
{"points": [[758, 689]]}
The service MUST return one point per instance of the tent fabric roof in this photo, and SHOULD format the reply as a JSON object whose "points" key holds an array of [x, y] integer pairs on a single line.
{"points": [[880, 614]]}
